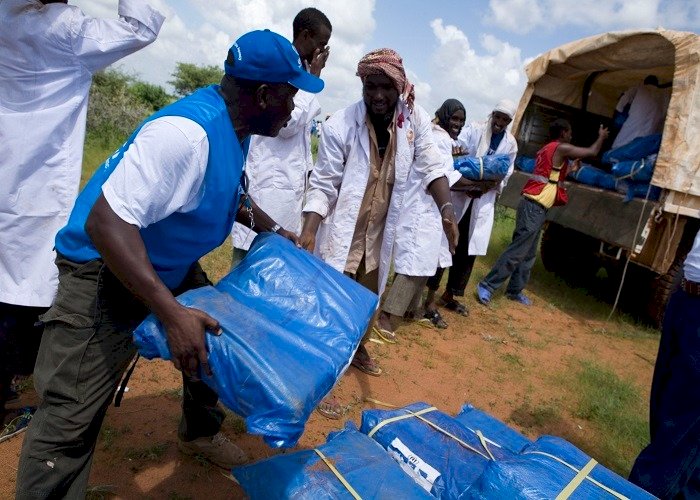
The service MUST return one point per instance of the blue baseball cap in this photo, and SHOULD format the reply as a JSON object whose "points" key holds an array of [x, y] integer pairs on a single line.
{"points": [[265, 56]]}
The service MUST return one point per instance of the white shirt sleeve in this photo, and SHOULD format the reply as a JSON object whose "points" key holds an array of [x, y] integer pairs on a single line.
{"points": [[161, 172], [100, 42], [306, 108]]}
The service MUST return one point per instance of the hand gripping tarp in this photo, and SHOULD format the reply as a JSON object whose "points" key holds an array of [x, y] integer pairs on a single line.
{"points": [[442, 455], [487, 168], [552, 468], [492, 429], [291, 325], [349, 466]]}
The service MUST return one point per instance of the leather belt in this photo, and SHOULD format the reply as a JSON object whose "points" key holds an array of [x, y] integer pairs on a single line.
{"points": [[690, 287]]}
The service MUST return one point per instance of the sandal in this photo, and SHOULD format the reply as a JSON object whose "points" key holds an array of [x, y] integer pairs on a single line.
{"points": [[386, 335], [330, 408], [435, 318], [455, 306], [363, 362]]}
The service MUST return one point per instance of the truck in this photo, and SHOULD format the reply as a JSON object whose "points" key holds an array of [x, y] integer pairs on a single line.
{"points": [[641, 244]]}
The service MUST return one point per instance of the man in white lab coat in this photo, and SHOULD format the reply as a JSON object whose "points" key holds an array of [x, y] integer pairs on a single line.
{"points": [[49, 52], [366, 157], [475, 215], [277, 167]]}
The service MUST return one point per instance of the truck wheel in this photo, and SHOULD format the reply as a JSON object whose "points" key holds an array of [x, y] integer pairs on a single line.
{"points": [[569, 254], [662, 287]]}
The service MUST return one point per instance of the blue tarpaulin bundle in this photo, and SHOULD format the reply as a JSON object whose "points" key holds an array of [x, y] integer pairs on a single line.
{"points": [[632, 189], [495, 431], [593, 176], [549, 467], [422, 439], [489, 168], [358, 460], [639, 171], [639, 148], [291, 325], [525, 164]]}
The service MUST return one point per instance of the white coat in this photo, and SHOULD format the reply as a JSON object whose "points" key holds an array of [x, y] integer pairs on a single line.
{"points": [[483, 208], [49, 53], [277, 169], [421, 244], [339, 179], [647, 113]]}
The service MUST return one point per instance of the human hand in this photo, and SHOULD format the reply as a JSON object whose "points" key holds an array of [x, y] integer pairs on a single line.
{"points": [[603, 132], [449, 226], [459, 151], [318, 60], [307, 241], [185, 328], [290, 236]]}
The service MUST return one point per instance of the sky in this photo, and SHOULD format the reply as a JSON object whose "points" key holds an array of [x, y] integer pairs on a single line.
{"points": [[471, 50]]}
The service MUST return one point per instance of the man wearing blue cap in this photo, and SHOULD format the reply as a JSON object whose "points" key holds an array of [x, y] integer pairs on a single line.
{"points": [[164, 199]]}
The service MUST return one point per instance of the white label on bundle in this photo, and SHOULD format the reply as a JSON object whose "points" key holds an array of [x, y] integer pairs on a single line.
{"points": [[424, 474]]}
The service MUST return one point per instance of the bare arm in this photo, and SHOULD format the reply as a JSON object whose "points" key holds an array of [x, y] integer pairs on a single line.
{"points": [[566, 150], [124, 252], [440, 191]]}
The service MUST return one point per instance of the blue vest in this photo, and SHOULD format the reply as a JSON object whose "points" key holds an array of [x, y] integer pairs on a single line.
{"points": [[175, 243]]}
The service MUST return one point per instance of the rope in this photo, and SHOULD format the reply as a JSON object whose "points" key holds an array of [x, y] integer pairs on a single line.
{"points": [[337, 474]]}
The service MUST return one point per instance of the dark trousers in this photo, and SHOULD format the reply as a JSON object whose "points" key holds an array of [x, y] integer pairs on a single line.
{"points": [[20, 334], [517, 260], [462, 262], [670, 466], [86, 347]]}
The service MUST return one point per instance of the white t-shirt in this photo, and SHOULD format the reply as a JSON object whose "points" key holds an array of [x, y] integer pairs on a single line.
{"points": [[691, 268], [161, 173]]}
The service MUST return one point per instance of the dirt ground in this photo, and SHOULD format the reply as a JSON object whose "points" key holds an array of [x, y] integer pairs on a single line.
{"points": [[499, 359]]}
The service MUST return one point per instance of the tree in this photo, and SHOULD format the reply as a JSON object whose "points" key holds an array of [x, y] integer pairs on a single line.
{"points": [[153, 96], [188, 77]]}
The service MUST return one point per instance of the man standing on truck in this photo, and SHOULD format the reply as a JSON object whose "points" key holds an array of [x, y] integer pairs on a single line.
{"points": [[541, 192], [670, 466]]}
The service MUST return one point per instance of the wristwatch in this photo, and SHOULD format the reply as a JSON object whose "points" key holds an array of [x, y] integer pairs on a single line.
{"points": [[275, 228]]}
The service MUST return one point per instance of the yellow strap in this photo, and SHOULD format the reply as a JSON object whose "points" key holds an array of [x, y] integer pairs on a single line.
{"points": [[598, 484], [483, 443], [409, 414], [576, 481], [337, 474], [418, 414]]}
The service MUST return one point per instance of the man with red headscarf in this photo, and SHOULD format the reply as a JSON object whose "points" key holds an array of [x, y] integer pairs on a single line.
{"points": [[369, 154]]}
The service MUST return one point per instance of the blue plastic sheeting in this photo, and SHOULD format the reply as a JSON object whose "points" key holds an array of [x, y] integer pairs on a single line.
{"points": [[640, 171], [495, 431], [436, 461], [639, 148], [525, 164], [494, 168], [633, 189], [304, 475], [535, 474], [291, 325], [593, 176]]}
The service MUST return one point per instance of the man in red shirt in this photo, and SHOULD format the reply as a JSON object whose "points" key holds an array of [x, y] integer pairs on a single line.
{"points": [[541, 192]]}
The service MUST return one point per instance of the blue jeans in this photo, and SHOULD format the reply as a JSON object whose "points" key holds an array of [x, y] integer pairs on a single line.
{"points": [[669, 467], [517, 260]]}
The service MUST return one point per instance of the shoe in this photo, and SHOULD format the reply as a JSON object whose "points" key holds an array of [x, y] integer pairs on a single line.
{"points": [[17, 422], [363, 362], [330, 408], [386, 335], [435, 318], [217, 449], [455, 306], [483, 294], [520, 297]]}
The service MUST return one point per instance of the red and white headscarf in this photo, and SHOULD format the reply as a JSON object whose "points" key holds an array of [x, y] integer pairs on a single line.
{"points": [[388, 62]]}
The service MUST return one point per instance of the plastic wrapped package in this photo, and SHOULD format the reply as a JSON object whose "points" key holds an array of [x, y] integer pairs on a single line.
{"points": [[358, 460], [639, 148], [489, 168], [291, 325], [549, 467], [495, 431], [636, 170], [593, 176], [426, 443], [525, 164]]}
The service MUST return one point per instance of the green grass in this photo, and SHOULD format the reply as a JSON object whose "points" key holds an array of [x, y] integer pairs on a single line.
{"points": [[617, 411], [151, 453]]}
